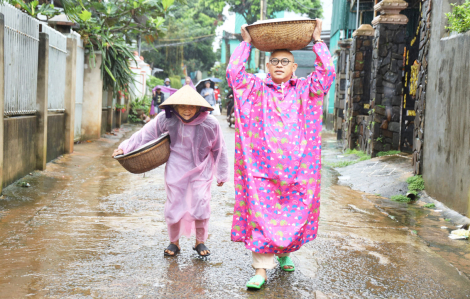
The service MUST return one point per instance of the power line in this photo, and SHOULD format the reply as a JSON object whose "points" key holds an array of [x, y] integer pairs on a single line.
{"points": [[183, 38], [175, 44], [309, 8]]}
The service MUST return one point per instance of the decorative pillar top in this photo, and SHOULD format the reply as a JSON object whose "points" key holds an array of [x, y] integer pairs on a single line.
{"points": [[364, 30], [345, 43], [390, 12]]}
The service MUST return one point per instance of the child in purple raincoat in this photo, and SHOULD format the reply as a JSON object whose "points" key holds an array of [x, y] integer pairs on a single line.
{"points": [[198, 153], [278, 121]]}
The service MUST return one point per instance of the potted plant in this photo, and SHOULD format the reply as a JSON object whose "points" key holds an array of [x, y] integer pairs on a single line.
{"points": [[137, 106], [120, 108]]}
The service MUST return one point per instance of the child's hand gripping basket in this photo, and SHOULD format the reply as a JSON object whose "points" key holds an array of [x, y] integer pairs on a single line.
{"points": [[275, 34], [147, 157]]}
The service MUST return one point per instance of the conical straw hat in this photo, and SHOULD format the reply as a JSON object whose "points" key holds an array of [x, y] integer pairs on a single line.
{"points": [[186, 95]]}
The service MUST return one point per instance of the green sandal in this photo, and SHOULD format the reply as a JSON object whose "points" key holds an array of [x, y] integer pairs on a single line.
{"points": [[286, 261], [257, 278]]}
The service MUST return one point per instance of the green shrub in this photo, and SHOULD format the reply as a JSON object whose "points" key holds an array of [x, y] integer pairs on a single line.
{"points": [[175, 82], [459, 18], [400, 198], [154, 81]]}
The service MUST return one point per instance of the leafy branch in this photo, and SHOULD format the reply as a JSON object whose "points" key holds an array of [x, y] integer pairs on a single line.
{"points": [[459, 18], [34, 9]]}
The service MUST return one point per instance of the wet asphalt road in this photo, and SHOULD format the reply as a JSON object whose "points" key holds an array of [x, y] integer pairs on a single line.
{"points": [[88, 229]]}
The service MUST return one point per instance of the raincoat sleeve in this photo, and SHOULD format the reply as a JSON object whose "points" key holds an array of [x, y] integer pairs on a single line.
{"points": [[151, 131], [321, 79], [219, 152], [238, 79]]}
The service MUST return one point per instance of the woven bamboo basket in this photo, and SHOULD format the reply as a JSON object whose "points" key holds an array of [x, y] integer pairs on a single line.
{"points": [[289, 35], [147, 159]]}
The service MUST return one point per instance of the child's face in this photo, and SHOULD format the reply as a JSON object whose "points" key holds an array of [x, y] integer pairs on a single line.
{"points": [[186, 111], [281, 73]]}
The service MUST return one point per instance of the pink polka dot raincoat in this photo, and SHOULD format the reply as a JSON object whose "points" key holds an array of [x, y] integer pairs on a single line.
{"points": [[277, 154]]}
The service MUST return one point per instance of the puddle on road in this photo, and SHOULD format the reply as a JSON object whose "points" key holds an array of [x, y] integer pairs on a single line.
{"points": [[86, 228]]}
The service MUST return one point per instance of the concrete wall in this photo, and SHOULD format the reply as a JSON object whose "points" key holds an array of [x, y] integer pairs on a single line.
{"points": [[55, 135], [115, 116], [446, 161], [92, 100], [104, 117], [19, 149]]}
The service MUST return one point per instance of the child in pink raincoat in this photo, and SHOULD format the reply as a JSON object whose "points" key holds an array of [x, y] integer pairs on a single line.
{"points": [[197, 154], [278, 151]]}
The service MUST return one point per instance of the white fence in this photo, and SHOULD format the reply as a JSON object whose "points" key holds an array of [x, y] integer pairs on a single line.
{"points": [[21, 61], [79, 86], [57, 69]]}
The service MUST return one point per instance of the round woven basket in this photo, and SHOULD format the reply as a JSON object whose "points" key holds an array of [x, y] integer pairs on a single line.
{"points": [[148, 159], [289, 35]]}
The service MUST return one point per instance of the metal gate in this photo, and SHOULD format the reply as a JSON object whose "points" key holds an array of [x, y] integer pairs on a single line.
{"points": [[21, 61], [57, 69]]}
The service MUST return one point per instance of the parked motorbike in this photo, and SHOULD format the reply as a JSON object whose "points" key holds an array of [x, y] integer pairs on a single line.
{"points": [[230, 109]]}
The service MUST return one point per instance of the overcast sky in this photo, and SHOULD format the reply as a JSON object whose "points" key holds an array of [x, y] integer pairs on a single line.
{"points": [[229, 24]]}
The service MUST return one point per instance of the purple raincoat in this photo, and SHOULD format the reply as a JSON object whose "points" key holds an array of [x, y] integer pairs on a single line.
{"points": [[198, 153]]}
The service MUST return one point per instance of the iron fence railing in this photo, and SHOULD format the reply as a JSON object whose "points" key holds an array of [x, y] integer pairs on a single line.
{"points": [[21, 61]]}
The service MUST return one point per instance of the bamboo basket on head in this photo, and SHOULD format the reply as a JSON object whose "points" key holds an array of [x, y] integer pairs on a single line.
{"points": [[275, 34]]}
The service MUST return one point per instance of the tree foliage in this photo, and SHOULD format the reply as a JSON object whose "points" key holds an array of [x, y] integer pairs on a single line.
{"points": [[250, 9], [36, 8], [188, 40], [109, 27]]}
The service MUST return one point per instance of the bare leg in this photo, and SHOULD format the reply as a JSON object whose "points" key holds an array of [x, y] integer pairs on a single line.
{"points": [[200, 235], [173, 232]]}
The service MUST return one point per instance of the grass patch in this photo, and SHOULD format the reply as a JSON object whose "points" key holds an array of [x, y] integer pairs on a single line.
{"points": [[415, 183], [430, 205], [361, 157], [387, 153], [341, 163], [447, 219], [400, 198]]}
